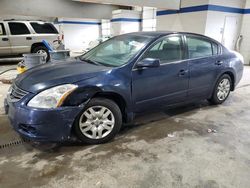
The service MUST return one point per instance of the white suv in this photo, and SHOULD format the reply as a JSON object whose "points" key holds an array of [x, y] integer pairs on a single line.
{"points": [[18, 37]]}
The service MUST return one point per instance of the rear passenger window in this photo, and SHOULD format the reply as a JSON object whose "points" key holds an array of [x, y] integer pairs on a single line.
{"points": [[18, 28], [215, 48], [198, 47], [42, 28], [2, 30], [167, 50]]}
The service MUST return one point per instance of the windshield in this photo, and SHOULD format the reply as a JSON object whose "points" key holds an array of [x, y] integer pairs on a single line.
{"points": [[117, 51]]}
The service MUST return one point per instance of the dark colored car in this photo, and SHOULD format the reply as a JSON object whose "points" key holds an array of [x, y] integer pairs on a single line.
{"points": [[92, 95]]}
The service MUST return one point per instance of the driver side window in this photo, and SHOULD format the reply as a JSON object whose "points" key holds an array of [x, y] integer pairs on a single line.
{"points": [[166, 50]]}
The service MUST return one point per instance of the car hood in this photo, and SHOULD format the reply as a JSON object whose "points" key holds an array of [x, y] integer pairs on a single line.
{"points": [[56, 73]]}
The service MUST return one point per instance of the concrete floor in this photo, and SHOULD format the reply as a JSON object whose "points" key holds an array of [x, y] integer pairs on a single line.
{"points": [[171, 148]]}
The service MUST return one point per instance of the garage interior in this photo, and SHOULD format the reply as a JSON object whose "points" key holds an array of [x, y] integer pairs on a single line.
{"points": [[193, 145]]}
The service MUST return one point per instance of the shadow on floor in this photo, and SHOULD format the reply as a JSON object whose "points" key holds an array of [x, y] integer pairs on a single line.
{"points": [[158, 121]]}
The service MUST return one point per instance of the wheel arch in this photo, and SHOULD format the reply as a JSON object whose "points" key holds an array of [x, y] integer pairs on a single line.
{"points": [[35, 45], [117, 98], [232, 76], [228, 72]]}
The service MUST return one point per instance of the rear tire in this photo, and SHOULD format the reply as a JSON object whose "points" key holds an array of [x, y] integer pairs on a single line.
{"points": [[221, 90], [42, 50], [99, 122]]}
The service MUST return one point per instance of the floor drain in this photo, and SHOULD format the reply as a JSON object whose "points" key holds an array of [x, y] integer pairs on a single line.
{"points": [[13, 143]]}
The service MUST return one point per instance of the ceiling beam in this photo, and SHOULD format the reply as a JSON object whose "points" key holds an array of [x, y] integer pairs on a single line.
{"points": [[165, 4], [56, 8]]}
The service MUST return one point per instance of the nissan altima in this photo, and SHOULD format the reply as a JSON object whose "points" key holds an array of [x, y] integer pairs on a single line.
{"points": [[91, 96]]}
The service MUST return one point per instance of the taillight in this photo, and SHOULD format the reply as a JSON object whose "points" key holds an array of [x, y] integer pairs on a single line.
{"points": [[62, 37]]}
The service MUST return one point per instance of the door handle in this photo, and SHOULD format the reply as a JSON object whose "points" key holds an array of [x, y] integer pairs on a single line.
{"points": [[219, 62], [182, 72], [28, 38], [5, 39]]}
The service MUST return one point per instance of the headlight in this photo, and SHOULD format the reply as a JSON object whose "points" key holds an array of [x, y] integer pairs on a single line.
{"points": [[53, 97]]}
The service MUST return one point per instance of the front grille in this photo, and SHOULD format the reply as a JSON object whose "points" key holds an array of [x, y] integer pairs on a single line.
{"points": [[16, 93]]}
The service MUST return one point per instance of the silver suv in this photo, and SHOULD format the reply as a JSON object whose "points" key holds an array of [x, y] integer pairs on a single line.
{"points": [[18, 37]]}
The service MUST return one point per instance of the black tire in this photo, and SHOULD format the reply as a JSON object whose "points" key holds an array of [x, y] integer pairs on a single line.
{"points": [[113, 107], [36, 49], [214, 99]]}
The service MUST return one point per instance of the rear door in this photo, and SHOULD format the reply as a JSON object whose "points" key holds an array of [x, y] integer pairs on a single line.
{"points": [[20, 37], [203, 65], [4, 41], [164, 85]]}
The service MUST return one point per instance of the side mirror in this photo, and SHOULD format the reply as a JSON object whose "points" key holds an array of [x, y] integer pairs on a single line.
{"points": [[148, 62]]}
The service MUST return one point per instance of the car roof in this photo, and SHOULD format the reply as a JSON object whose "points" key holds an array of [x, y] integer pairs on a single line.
{"points": [[156, 34], [151, 33], [13, 20]]}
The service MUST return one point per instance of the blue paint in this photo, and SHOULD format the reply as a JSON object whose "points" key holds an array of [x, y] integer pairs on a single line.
{"points": [[194, 9], [45, 42], [217, 8], [79, 22], [226, 9], [126, 20], [167, 12], [247, 11]]}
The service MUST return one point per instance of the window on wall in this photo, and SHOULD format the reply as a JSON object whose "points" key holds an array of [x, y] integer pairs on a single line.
{"points": [[17, 28], [106, 28], [198, 47], [149, 19]]}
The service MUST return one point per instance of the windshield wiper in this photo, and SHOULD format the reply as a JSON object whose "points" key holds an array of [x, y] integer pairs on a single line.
{"points": [[91, 61]]}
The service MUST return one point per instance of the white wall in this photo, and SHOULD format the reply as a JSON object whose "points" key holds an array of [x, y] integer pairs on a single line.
{"points": [[215, 23], [148, 19], [245, 45], [215, 26], [210, 23], [189, 22], [125, 26], [188, 3], [230, 3], [78, 36]]}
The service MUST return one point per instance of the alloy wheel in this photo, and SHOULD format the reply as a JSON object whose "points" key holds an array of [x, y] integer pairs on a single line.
{"points": [[223, 89]]}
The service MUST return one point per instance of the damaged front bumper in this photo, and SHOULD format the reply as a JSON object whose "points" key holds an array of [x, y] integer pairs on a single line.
{"points": [[42, 125]]}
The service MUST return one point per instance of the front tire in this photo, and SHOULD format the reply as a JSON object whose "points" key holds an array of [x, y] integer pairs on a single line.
{"points": [[222, 89], [99, 122]]}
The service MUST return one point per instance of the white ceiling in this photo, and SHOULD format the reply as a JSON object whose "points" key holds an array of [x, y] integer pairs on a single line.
{"points": [[166, 4]]}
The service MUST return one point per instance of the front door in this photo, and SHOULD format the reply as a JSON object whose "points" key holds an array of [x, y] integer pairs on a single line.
{"points": [[4, 41], [164, 85], [20, 37]]}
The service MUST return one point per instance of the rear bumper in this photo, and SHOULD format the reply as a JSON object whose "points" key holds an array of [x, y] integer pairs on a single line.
{"points": [[239, 75], [43, 125]]}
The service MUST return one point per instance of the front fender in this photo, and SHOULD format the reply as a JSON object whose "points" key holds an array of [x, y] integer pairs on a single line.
{"points": [[81, 95]]}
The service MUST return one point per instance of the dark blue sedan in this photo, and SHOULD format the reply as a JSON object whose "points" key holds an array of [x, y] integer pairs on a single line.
{"points": [[92, 95]]}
